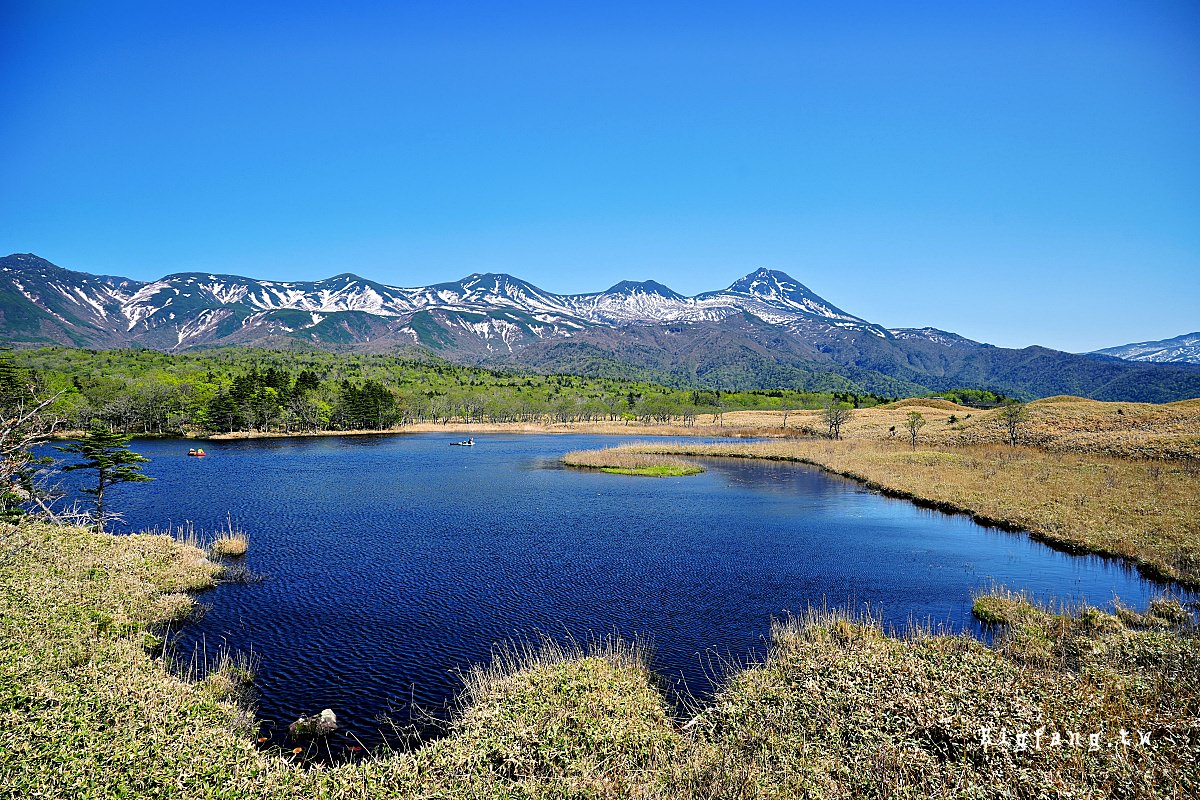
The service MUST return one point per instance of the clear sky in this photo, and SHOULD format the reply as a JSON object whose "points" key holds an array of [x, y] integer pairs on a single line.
{"points": [[1015, 172]]}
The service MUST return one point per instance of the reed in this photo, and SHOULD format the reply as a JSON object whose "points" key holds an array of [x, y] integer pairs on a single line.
{"points": [[514, 656], [229, 542]]}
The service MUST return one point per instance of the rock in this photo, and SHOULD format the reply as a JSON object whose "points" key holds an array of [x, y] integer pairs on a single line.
{"points": [[321, 724]]}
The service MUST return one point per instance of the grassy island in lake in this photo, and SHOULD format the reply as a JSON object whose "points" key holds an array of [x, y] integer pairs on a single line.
{"points": [[621, 461]]}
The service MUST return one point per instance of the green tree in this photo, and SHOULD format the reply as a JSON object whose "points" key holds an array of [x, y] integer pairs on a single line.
{"points": [[914, 422], [108, 453], [223, 413]]}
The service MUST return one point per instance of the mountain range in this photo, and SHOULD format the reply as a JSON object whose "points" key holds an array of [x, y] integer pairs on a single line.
{"points": [[765, 330], [1183, 349]]}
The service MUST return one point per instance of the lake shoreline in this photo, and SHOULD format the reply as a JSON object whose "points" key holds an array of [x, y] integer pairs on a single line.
{"points": [[1156, 567], [1137, 431], [563, 429], [1169, 552], [581, 720]]}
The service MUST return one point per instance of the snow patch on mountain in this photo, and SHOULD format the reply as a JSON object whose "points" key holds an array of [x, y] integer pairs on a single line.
{"points": [[225, 293], [205, 322], [934, 335]]}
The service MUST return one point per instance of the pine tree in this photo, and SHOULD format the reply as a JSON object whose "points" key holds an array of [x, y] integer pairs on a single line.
{"points": [[108, 453]]}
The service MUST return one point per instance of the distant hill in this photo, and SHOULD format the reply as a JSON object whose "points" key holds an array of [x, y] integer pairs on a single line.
{"points": [[765, 330], [1183, 349]]}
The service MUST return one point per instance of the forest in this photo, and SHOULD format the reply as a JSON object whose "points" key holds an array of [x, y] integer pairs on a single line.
{"points": [[147, 392]]}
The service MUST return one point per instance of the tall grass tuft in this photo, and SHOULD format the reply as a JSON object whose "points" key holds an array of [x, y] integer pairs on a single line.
{"points": [[231, 541], [515, 656], [223, 674]]}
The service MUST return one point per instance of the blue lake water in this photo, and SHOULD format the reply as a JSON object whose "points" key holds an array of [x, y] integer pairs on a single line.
{"points": [[395, 561]]}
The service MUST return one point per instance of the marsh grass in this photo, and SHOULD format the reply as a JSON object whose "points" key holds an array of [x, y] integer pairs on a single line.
{"points": [[231, 541], [223, 673], [839, 709], [514, 656], [1070, 425], [623, 461]]}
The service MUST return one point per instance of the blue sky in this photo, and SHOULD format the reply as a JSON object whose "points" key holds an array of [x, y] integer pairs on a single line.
{"points": [[1019, 173]]}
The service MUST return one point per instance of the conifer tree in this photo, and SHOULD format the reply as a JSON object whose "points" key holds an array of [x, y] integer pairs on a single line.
{"points": [[108, 453]]}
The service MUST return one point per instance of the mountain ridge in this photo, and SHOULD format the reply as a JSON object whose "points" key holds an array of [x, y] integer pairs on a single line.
{"points": [[766, 329]]}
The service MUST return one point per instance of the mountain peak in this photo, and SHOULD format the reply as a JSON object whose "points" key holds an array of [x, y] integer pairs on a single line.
{"points": [[643, 287], [778, 290], [26, 261], [765, 281]]}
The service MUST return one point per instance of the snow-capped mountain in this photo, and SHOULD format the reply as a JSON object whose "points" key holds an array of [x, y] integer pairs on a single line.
{"points": [[502, 312], [1183, 349], [763, 330]]}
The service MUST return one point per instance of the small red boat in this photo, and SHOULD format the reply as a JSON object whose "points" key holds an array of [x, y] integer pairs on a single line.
{"points": [[197, 453]]}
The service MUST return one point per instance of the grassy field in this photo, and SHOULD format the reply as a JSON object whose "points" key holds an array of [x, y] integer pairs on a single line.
{"points": [[89, 709], [1170, 431]]}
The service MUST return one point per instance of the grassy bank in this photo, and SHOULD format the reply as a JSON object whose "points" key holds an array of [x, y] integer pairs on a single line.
{"points": [[1145, 511], [621, 461], [1168, 431], [837, 709]]}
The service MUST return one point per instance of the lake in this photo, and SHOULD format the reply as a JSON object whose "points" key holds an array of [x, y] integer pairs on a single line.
{"points": [[394, 561]]}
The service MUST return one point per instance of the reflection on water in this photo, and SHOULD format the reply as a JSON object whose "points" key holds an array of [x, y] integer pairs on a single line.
{"points": [[395, 561]]}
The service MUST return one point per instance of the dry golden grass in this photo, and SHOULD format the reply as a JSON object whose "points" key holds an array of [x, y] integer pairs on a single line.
{"points": [[229, 542], [1144, 511], [840, 710], [1060, 424], [231, 545], [1072, 424]]}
